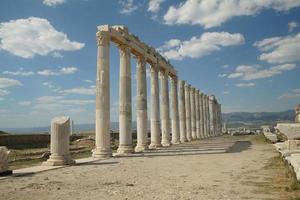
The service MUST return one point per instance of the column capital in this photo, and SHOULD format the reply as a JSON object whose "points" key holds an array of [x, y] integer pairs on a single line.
{"points": [[103, 38]]}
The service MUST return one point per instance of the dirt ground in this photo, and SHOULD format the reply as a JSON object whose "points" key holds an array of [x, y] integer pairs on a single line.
{"points": [[222, 168]]}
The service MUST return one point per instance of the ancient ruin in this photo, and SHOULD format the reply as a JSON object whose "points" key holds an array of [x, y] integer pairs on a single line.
{"points": [[4, 152], [59, 145], [193, 114]]}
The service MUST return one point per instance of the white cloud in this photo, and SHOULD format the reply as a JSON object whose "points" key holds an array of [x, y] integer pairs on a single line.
{"points": [[245, 85], [87, 81], [197, 47], [292, 94], [19, 73], [154, 5], [280, 49], [3, 92], [53, 3], [49, 85], [128, 6], [225, 66], [252, 72], [25, 103], [212, 13], [34, 36], [62, 71], [226, 92], [8, 82], [222, 75], [292, 25], [80, 90]]}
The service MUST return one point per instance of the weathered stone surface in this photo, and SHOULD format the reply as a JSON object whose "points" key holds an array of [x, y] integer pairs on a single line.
{"points": [[60, 140], [4, 152], [297, 118], [271, 137], [290, 130]]}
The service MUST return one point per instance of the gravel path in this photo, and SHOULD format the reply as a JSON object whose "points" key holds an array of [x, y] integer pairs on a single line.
{"points": [[217, 168]]}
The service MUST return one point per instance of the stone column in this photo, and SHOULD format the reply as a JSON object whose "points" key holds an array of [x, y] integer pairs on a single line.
{"points": [[182, 121], [188, 112], [208, 115], [60, 142], [193, 113], [141, 105], [164, 108], [155, 120], [197, 115], [201, 115], [4, 152], [102, 133], [211, 115], [174, 111], [125, 115], [205, 116], [220, 118]]}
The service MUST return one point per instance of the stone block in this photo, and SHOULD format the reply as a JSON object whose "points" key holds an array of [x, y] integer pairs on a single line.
{"points": [[290, 130], [4, 152]]}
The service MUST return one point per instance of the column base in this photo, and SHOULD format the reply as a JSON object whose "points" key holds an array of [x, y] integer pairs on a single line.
{"points": [[59, 161], [141, 148], [165, 143], [124, 150], [100, 153], [175, 142], [154, 146], [183, 140]]}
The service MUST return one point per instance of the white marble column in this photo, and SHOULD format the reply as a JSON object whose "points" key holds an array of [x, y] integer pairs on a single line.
{"points": [[193, 113], [155, 119], [60, 143], [164, 108], [174, 111], [141, 105], [102, 133], [125, 115], [201, 115], [181, 106], [188, 112], [211, 115], [208, 115], [197, 115]]}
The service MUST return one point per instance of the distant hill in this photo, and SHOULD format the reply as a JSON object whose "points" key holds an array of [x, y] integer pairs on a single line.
{"points": [[3, 133], [237, 119]]}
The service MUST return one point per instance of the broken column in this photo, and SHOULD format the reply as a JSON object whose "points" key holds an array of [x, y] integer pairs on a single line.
{"points": [[4, 152], [60, 142]]}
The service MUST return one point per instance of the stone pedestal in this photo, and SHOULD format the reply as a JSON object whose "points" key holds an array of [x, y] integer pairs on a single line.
{"points": [[182, 121], [102, 130], [4, 171], [60, 142], [141, 105], [125, 113], [164, 108]]}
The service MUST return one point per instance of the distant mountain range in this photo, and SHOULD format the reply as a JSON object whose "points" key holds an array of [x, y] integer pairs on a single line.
{"points": [[255, 119], [235, 119]]}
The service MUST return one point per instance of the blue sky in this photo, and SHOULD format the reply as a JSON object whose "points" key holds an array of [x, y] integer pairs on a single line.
{"points": [[245, 52]]}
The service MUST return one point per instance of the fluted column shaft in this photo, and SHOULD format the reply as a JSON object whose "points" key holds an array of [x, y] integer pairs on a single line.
{"points": [[164, 108], [201, 115], [188, 112], [198, 136], [141, 105], [208, 116], [174, 111], [125, 113], [211, 115], [155, 114], [102, 129], [182, 121]]}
